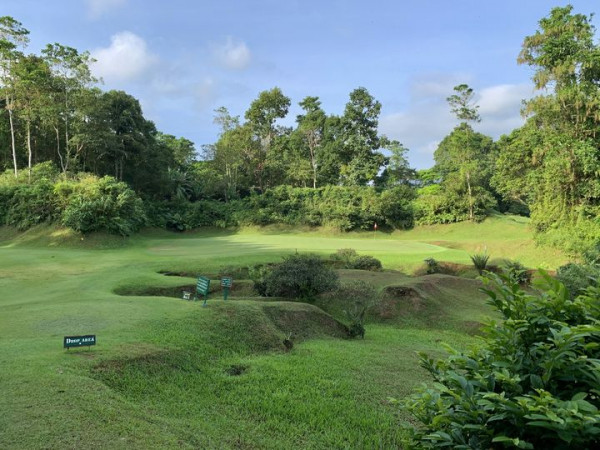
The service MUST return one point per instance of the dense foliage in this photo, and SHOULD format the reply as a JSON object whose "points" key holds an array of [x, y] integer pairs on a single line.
{"points": [[82, 202], [325, 170], [532, 384], [297, 277]]}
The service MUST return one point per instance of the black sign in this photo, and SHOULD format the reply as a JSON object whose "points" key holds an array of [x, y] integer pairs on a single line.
{"points": [[79, 341]]}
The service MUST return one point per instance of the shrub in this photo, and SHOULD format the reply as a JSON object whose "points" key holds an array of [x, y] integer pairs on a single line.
{"points": [[347, 258], [517, 272], [29, 204], [578, 277], [104, 204], [298, 276], [533, 383], [480, 261], [360, 296], [366, 262], [258, 274], [432, 266]]}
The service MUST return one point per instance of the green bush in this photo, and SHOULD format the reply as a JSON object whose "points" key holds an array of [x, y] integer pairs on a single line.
{"points": [[578, 277], [533, 383], [360, 296], [298, 276], [343, 207], [517, 272], [348, 258], [103, 204], [26, 205], [432, 266], [366, 262]]}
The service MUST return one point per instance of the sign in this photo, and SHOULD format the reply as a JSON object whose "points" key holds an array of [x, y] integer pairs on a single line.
{"points": [[187, 295], [226, 283], [79, 341], [202, 287]]}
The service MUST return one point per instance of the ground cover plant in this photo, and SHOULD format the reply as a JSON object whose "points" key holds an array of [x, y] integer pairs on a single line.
{"points": [[165, 370]]}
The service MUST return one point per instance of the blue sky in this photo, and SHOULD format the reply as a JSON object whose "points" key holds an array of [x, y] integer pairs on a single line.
{"points": [[183, 59]]}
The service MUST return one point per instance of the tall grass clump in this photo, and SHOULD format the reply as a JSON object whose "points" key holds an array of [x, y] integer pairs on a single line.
{"points": [[480, 261]]}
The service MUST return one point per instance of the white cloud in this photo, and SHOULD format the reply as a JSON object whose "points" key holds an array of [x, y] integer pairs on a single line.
{"points": [[127, 58], [97, 8], [427, 119], [234, 55]]}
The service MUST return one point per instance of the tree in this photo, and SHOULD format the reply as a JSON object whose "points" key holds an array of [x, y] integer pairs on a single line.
{"points": [[360, 160], [236, 154], [462, 105], [72, 75], [563, 129], [311, 126], [261, 116], [397, 170], [12, 36], [463, 161], [31, 85]]}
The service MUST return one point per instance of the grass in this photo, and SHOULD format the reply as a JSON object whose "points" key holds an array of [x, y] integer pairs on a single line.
{"points": [[161, 374]]}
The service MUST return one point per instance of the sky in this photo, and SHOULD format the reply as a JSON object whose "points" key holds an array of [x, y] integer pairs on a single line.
{"points": [[183, 59]]}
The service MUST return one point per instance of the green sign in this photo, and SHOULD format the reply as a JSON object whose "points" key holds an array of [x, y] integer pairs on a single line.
{"points": [[79, 341], [226, 283], [202, 287]]}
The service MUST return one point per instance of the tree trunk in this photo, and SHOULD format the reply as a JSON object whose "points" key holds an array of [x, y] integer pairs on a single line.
{"points": [[29, 153], [12, 136], [62, 164], [471, 215]]}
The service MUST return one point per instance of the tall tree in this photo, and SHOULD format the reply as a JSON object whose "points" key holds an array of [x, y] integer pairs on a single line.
{"points": [[463, 107], [72, 75], [261, 116], [565, 161], [31, 86], [12, 37], [360, 159], [311, 126]]}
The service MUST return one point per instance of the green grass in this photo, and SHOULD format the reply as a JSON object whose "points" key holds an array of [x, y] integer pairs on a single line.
{"points": [[159, 376]]}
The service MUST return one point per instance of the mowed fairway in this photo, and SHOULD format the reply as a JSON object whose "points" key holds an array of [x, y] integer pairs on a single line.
{"points": [[167, 373]]}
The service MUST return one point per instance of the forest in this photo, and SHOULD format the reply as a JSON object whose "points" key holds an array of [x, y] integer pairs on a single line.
{"points": [[74, 154]]}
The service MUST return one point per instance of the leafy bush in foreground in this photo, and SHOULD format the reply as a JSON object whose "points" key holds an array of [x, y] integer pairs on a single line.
{"points": [[534, 383]]}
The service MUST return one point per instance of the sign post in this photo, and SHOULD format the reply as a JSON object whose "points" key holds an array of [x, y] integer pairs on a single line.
{"points": [[202, 287], [79, 341], [226, 284]]}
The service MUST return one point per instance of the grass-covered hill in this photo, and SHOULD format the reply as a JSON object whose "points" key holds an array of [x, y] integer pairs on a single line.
{"points": [[168, 373]]}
